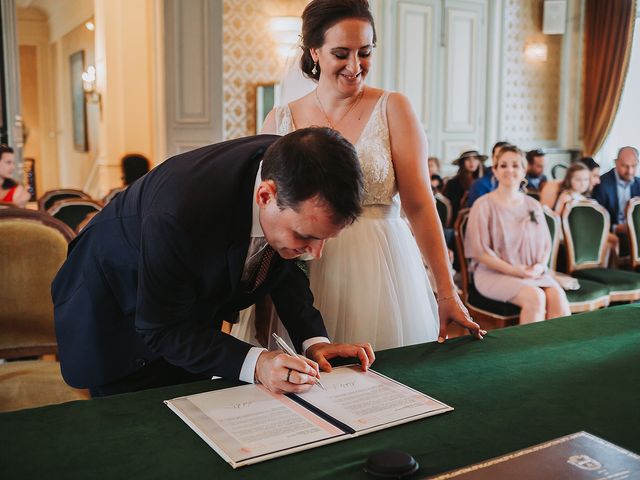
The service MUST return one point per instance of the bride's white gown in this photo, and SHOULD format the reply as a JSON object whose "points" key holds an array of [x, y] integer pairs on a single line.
{"points": [[370, 284]]}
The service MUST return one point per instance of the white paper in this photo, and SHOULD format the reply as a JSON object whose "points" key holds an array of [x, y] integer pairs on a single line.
{"points": [[250, 421], [249, 424], [364, 400]]}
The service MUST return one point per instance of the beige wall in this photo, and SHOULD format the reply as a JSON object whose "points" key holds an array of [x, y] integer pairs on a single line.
{"points": [[38, 96], [30, 110], [530, 90], [75, 166], [249, 57]]}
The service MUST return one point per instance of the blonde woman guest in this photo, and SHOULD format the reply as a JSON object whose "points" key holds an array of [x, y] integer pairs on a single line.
{"points": [[509, 243], [370, 284]]}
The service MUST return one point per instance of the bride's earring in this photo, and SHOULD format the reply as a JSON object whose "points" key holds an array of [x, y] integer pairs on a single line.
{"points": [[314, 70]]}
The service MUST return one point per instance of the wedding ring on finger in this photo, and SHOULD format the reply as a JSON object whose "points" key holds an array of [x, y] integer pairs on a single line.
{"points": [[289, 375]]}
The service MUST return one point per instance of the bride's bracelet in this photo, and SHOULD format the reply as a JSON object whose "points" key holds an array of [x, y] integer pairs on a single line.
{"points": [[446, 298]]}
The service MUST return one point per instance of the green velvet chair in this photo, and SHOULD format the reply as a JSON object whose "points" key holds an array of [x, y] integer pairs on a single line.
{"points": [[633, 221], [484, 310], [73, 211], [445, 211], [586, 226], [591, 295], [33, 245]]}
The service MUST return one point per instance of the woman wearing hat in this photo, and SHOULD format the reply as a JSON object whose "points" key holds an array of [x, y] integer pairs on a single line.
{"points": [[470, 167]]}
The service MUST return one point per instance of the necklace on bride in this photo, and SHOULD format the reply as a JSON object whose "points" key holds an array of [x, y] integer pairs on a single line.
{"points": [[333, 125]]}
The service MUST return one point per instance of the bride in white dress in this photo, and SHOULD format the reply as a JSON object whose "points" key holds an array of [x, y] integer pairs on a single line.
{"points": [[370, 283]]}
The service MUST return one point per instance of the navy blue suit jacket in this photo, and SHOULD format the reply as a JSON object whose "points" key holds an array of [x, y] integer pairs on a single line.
{"points": [[158, 269], [606, 194]]}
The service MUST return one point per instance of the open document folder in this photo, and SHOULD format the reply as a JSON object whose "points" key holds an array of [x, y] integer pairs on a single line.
{"points": [[249, 424]]}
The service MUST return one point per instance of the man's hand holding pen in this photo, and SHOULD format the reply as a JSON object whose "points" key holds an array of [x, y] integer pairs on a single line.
{"points": [[283, 373]]}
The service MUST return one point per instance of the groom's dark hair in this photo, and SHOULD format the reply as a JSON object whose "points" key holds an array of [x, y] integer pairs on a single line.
{"points": [[312, 162]]}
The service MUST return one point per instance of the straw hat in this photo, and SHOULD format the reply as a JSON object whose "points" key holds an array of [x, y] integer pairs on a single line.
{"points": [[469, 152]]}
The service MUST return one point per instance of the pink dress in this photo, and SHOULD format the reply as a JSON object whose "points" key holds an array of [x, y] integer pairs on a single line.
{"points": [[517, 235]]}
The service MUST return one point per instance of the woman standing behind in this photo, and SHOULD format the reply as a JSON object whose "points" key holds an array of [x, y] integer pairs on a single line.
{"points": [[370, 284], [10, 190], [470, 167], [509, 241]]}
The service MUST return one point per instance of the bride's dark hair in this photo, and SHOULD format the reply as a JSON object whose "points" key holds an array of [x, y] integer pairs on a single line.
{"points": [[319, 16]]}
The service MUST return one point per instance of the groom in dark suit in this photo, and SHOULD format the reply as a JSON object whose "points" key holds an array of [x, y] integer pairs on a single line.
{"points": [[140, 300]]}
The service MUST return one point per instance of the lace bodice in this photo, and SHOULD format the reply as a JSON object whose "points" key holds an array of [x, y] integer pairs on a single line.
{"points": [[374, 153]]}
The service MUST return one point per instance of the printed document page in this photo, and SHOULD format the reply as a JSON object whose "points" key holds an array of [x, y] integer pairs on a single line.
{"points": [[249, 421], [364, 400]]}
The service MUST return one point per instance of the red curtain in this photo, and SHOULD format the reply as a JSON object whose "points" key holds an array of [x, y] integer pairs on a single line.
{"points": [[608, 37]]}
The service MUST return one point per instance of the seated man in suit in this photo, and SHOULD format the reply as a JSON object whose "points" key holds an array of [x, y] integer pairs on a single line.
{"points": [[617, 186], [146, 285]]}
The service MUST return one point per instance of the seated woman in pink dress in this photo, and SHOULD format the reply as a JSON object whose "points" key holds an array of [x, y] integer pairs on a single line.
{"points": [[10, 190], [509, 243]]}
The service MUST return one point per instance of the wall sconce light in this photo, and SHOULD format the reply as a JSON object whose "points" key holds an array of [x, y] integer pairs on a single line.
{"points": [[89, 86], [536, 52], [89, 25], [286, 31]]}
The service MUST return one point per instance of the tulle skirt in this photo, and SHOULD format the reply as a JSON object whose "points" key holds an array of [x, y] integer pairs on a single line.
{"points": [[370, 286]]}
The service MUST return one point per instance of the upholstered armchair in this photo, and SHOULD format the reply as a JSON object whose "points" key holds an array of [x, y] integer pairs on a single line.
{"points": [[586, 228], [591, 295], [74, 211], [33, 246]]}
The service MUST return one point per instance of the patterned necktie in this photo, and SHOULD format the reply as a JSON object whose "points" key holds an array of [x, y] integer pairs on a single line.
{"points": [[263, 267]]}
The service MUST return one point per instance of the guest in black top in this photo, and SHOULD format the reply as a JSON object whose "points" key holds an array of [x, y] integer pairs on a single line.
{"points": [[470, 167]]}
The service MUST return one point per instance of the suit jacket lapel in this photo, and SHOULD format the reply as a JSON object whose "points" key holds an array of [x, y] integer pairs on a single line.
{"points": [[241, 230]]}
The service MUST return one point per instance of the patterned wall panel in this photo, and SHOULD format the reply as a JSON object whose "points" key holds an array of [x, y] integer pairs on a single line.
{"points": [[249, 57], [530, 90]]}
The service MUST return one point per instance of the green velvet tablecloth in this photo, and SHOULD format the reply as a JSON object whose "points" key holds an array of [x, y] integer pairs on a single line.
{"points": [[518, 387]]}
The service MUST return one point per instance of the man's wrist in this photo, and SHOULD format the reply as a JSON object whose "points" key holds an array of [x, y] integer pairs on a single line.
{"points": [[248, 371], [312, 341]]}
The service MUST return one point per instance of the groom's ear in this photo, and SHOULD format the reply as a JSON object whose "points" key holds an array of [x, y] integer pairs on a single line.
{"points": [[267, 192]]}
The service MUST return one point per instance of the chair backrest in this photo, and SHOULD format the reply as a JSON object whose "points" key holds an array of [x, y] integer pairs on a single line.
{"points": [[445, 211], [553, 222], [633, 221], [460, 229], [586, 227], [33, 246], [46, 201], [558, 171], [73, 211]]}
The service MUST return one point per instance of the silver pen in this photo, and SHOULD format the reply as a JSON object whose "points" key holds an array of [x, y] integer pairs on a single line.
{"points": [[289, 351]]}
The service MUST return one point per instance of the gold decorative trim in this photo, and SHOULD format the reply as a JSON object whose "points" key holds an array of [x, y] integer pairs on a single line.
{"points": [[633, 234]]}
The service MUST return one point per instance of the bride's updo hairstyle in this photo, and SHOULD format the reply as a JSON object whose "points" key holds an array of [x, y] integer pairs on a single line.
{"points": [[319, 16]]}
